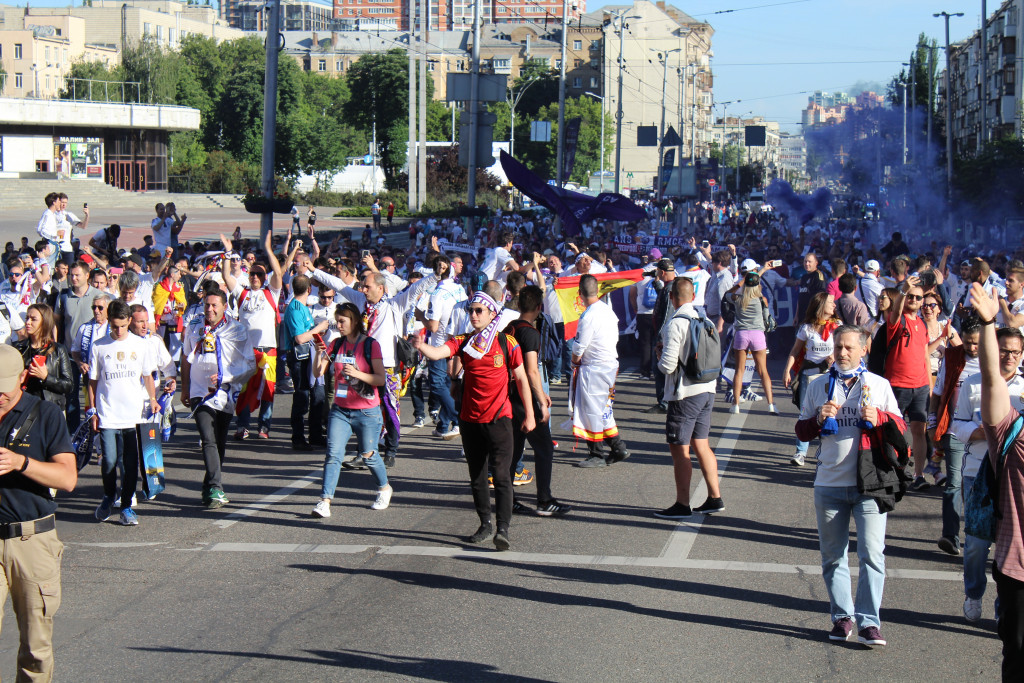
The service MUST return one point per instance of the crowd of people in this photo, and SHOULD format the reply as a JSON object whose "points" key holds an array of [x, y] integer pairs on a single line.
{"points": [[472, 328]]}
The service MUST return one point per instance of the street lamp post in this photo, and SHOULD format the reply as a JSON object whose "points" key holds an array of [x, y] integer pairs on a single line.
{"points": [[905, 118], [618, 113], [663, 58], [599, 97], [513, 101], [949, 116], [273, 46], [984, 76]]}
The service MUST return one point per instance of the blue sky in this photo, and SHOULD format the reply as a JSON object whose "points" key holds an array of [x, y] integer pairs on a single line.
{"points": [[771, 53], [762, 55]]}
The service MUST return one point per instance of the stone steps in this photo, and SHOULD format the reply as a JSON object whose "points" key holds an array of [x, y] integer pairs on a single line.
{"points": [[29, 194]]}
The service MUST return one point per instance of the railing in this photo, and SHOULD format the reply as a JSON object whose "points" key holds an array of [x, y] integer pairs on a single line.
{"points": [[91, 90]]}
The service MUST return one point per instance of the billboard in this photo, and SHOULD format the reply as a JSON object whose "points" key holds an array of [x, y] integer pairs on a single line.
{"points": [[75, 157]]}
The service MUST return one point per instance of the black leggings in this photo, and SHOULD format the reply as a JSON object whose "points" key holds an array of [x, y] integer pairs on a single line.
{"points": [[543, 455]]}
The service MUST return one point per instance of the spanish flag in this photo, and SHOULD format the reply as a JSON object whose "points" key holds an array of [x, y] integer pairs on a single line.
{"points": [[567, 289]]}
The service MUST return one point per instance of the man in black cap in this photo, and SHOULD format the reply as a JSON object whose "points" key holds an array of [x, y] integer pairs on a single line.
{"points": [[35, 457], [664, 276]]}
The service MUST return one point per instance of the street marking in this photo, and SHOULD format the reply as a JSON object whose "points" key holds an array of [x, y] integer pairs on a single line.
{"points": [[680, 541], [267, 501], [563, 559], [124, 544]]}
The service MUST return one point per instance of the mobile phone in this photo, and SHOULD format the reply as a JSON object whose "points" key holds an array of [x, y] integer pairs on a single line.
{"points": [[775, 264], [705, 244], [39, 361], [366, 252], [319, 339], [85, 205]]}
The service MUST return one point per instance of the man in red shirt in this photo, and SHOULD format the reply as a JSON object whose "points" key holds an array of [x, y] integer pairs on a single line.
{"points": [[485, 419], [908, 370]]}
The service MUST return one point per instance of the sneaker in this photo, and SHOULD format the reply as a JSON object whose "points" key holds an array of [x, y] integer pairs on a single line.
{"points": [[383, 499], [941, 479], [129, 518], [556, 380], [241, 435], [501, 540], [749, 395], [104, 509], [842, 629], [552, 508], [117, 500], [710, 506], [932, 469], [434, 415], [870, 637], [323, 508], [772, 410], [264, 434], [452, 433], [797, 460], [482, 533], [521, 508], [949, 546], [657, 408], [217, 499], [592, 461], [356, 462], [389, 461], [677, 511], [301, 446], [418, 422], [522, 478], [920, 484], [735, 410], [972, 609]]}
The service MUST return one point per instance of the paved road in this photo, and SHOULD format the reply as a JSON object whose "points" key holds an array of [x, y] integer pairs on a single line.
{"points": [[261, 591]]}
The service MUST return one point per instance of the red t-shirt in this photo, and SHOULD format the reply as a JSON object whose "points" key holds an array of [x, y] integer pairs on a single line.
{"points": [[906, 365], [485, 382]]}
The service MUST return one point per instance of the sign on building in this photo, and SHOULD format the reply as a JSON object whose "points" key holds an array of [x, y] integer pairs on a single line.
{"points": [[75, 157]]}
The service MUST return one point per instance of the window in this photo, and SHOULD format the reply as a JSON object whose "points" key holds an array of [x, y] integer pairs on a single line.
{"points": [[577, 63], [593, 81], [593, 63], [17, 50], [159, 32], [577, 82], [170, 35], [322, 65], [19, 81], [339, 66], [65, 60], [147, 28], [558, 64], [46, 52], [42, 166], [47, 81], [577, 44]]}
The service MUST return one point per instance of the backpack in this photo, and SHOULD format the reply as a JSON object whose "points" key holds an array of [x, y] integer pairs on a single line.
{"points": [[880, 348], [650, 294], [703, 363], [550, 341], [980, 509], [728, 308]]}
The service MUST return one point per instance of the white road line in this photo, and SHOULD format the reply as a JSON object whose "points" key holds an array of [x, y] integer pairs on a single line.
{"points": [[124, 544], [267, 501], [563, 559], [680, 541]]}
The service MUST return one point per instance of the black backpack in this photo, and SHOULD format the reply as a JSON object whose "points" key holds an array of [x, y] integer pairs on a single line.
{"points": [[728, 309]]}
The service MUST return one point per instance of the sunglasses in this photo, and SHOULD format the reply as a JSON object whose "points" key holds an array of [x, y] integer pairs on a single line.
{"points": [[477, 310], [98, 308], [930, 306], [1010, 352], [915, 297]]}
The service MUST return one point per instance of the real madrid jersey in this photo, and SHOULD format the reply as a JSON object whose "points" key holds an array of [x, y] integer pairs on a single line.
{"points": [[118, 367]]}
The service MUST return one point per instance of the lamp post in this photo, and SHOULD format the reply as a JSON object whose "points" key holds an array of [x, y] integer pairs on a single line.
{"points": [[983, 137], [905, 118], [618, 113], [601, 99], [949, 116], [513, 100], [663, 58], [274, 44]]}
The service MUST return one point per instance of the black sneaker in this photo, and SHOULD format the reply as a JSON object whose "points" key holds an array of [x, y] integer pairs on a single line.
{"points": [[710, 506], [501, 539], [677, 511], [482, 534], [301, 446], [920, 484], [521, 508], [949, 546], [657, 409], [617, 456], [593, 461], [552, 508], [389, 461]]}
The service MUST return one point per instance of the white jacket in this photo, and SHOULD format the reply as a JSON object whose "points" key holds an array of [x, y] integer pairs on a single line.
{"points": [[675, 340]]}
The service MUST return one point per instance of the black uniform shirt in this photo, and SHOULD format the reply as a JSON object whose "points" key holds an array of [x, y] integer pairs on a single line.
{"points": [[22, 499]]}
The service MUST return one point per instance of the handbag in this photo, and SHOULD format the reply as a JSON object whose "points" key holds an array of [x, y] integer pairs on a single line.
{"points": [[151, 455], [769, 319], [980, 506], [796, 386]]}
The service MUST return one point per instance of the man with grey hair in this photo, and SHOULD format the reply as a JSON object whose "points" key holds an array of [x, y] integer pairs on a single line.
{"points": [[837, 407]]}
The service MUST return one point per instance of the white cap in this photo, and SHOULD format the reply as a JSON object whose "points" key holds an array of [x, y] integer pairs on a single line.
{"points": [[749, 265], [872, 266]]}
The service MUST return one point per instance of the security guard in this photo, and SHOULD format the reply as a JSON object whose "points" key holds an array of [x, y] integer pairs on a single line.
{"points": [[35, 456]]}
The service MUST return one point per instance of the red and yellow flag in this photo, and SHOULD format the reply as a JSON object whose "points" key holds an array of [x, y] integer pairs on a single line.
{"points": [[567, 289]]}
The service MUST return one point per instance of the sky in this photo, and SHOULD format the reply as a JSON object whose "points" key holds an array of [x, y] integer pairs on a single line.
{"points": [[774, 54], [769, 55]]}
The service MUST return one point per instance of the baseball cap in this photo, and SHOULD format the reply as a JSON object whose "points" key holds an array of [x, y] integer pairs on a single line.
{"points": [[11, 367], [872, 266], [666, 265], [655, 253], [137, 260], [749, 264]]}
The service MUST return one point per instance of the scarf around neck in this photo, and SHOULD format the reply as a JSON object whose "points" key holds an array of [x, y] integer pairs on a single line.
{"points": [[482, 340]]}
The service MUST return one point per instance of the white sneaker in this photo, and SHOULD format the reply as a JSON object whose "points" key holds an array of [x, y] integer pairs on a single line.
{"points": [[972, 610], [797, 460], [771, 409], [383, 499], [735, 410], [323, 508], [452, 433]]}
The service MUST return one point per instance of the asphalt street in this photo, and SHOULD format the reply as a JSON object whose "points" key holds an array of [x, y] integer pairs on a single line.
{"points": [[260, 590]]}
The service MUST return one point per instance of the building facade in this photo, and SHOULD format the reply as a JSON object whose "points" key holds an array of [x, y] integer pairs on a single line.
{"points": [[792, 156]]}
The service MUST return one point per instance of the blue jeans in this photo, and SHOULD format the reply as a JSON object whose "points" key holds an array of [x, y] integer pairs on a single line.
{"points": [[262, 422], [975, 559], [120, 444], [416, 394], [834, 506], [952, 497], [341, 423], [439, 389], [554, 365]]}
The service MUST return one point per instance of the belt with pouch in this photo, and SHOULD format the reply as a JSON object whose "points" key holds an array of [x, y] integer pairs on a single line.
{"points": [[9, 530]]}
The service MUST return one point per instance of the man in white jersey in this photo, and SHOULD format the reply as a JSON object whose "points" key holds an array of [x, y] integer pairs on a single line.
{"points": [[120, 384]]}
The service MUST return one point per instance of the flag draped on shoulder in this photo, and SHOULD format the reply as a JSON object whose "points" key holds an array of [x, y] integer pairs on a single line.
{"points": [[567, 289]]}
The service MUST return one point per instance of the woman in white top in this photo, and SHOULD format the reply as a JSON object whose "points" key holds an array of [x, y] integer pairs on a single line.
{"points": [[813, 351], [940, 333]]}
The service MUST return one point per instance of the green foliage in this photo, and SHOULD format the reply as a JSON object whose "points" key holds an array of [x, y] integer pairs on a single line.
{"points": [[993, 181], [541, 157]]}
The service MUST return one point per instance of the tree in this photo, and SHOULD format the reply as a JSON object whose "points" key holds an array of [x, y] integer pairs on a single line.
{"points": [[382, 80], [541, 157], [439, 122], [155, 70]]}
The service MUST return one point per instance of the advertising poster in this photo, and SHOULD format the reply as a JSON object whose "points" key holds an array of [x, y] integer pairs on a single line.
{"points": [[78, 157]]}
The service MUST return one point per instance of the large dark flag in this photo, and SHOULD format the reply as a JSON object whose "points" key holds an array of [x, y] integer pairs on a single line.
{"points": [[572, 138], [572, 207]]}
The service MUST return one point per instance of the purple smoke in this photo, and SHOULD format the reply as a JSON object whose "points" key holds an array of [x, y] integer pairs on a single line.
{"points": [[781, 196]]}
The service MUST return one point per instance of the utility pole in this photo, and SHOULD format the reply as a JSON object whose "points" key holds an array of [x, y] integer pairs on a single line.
{"points": [[663, 58], [904, 160], [474, 96], [949, 121], [983, 138], [269, 112], [913, 105], [601, 99], [621, 16], [693, 117], [421, 192], [931, 102], [413, 200], [561, 96]]}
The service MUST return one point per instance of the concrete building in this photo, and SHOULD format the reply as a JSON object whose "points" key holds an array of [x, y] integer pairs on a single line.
{"points": [[1004, 80], [119, 22], [731, 130], [124, 145], [792, 156], [37, 51], [296, 15], [650, 29]]}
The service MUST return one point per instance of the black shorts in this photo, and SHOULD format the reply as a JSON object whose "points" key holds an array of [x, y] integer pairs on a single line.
{"points": [[689, 419], [913, 403]]}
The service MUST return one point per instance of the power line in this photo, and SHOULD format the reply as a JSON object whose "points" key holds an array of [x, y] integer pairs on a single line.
{"points": [[744, 9]]}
